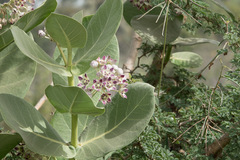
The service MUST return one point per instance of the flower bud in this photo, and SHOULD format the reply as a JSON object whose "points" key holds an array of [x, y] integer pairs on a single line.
{"points": [[4, 21], [94, 64], [41, 33], [119, 71]]}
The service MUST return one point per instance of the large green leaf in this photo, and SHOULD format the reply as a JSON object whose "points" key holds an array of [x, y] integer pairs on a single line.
{"points": [[29, 21], [122, 122], [16, 71], [8, 142], [193, 41], [72, 100], [66, 31], [29, 48], [220, 4], [61, 122], [102, 27], [186, 59], [147, 28], [36, 132], [129, 11]]}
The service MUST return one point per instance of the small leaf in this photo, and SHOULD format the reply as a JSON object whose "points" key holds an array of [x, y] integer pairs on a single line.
{"points": [[14, 64], [101, 28], [61, 122], [29, 48], [72, 100], [36, 132], [78, 16], [122, 122], [186, 59], [29, 21], [66, 31], [8, 142], [147, 28], [193, 41]]}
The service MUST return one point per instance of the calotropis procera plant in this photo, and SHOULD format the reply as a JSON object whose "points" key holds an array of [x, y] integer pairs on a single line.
{"points": [[90, 121]]}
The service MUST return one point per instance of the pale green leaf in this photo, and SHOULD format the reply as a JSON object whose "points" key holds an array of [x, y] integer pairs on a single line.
{"points": [[186, 59], [61, 122], [36, 132], [148, 29], [8, 142], [78, 16], [29, 21], [72, 100], [102, 27], [193, 41], [66, 31], [16, 71], [122, 122], [29, 48]]}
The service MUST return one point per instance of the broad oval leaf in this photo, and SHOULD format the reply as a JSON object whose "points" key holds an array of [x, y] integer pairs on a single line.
{"points": [[186, 59], [101, 28], [66, 31], [61, 122], [72, 100], [147, 28], [122, 122], [29, 48], [14, 64], [193, 41], [36, 132], [29, 21], [8, 142]]}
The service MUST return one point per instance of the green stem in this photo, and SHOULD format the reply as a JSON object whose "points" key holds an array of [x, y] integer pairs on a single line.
{"points": [[74, 138], [61, 51], [74, 134], [164, 48], [167, 56]]}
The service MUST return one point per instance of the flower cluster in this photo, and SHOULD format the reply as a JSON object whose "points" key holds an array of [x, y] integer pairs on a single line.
{"points": [[110, 78], [141, 4], [13, 10]]}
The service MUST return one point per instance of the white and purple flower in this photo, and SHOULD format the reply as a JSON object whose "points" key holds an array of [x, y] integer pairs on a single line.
{"points": [[110, 78]]}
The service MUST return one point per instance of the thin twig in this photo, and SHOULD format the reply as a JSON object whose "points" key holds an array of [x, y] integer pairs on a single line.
{"points": [[41, 102], [150, 10], [185, 12], [198, 5], [161, 12], [188, 129]]}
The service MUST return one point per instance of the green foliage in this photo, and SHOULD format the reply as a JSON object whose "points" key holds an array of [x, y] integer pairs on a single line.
{"points": [[8, 141], [20, 66], [72, 100], [66, 31], [150, 29], [29, 48], [101, 29], [114, 129], [186, 59], [36, 132], [61, 122], [28, 21]]}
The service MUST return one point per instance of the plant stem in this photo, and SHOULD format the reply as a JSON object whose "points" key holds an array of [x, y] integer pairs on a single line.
{"points": [[74, 137], [74, 134], [61, 51], [164, 48]]}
